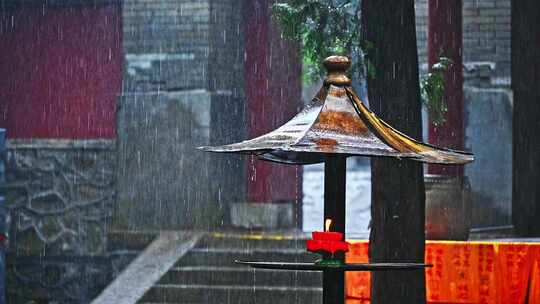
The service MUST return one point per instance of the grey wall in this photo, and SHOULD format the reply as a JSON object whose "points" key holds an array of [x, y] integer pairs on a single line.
{"points": [[486, 34], [60, 194], [488, 134], [183, 72]]}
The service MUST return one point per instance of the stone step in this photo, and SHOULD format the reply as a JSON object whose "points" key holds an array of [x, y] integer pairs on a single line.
{"points": [[213, 294], [255, 240], [124, 246], [227, 256], [129, 241], [241, 276]]}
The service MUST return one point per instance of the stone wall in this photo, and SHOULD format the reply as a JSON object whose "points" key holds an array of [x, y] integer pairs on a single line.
{"points": [[182, 89], [488, 133], [182, 44], [226, 47], [164, 182], [165, 44], [60, 195], [486, 36]]}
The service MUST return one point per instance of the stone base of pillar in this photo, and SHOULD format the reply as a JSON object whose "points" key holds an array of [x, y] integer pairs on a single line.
{"points": [[265, 216], [448, 207]]}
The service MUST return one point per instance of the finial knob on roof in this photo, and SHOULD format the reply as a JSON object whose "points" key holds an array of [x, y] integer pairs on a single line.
{"points": [[337, 67]]}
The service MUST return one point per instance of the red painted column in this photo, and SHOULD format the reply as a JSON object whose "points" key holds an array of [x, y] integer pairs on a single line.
{"points": [[272, 76], [445, 39]]}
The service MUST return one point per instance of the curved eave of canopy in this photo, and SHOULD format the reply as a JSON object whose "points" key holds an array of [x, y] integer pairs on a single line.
{"points": [[337, 122]]}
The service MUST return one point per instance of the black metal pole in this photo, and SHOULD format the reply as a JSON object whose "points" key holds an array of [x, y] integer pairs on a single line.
{"points": [[335, 168]]}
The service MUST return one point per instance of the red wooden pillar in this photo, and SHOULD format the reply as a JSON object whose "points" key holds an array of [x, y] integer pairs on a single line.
{"points": [[272, 77], [445, 39]]}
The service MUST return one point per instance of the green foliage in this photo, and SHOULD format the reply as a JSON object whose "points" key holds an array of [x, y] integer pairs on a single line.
{"points": [[332, 27], [371, 71], [324, 27], [432, 90]]}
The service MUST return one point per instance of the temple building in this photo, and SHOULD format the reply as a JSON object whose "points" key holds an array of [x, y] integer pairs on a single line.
{"points": [[104, 102]]}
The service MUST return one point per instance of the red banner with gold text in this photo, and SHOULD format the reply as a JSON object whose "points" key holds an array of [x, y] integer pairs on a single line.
{"points": [[465, 272]]}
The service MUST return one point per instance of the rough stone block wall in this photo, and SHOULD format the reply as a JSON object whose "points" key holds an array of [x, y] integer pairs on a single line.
{"points": [[486, 36], [421, 8], [182, 44], [183, 71], [166, 44], [226, 55], [61, 194]]}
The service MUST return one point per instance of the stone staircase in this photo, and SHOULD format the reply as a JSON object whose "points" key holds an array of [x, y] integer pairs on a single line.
{"points": [[124, 247], [208, 274]]}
